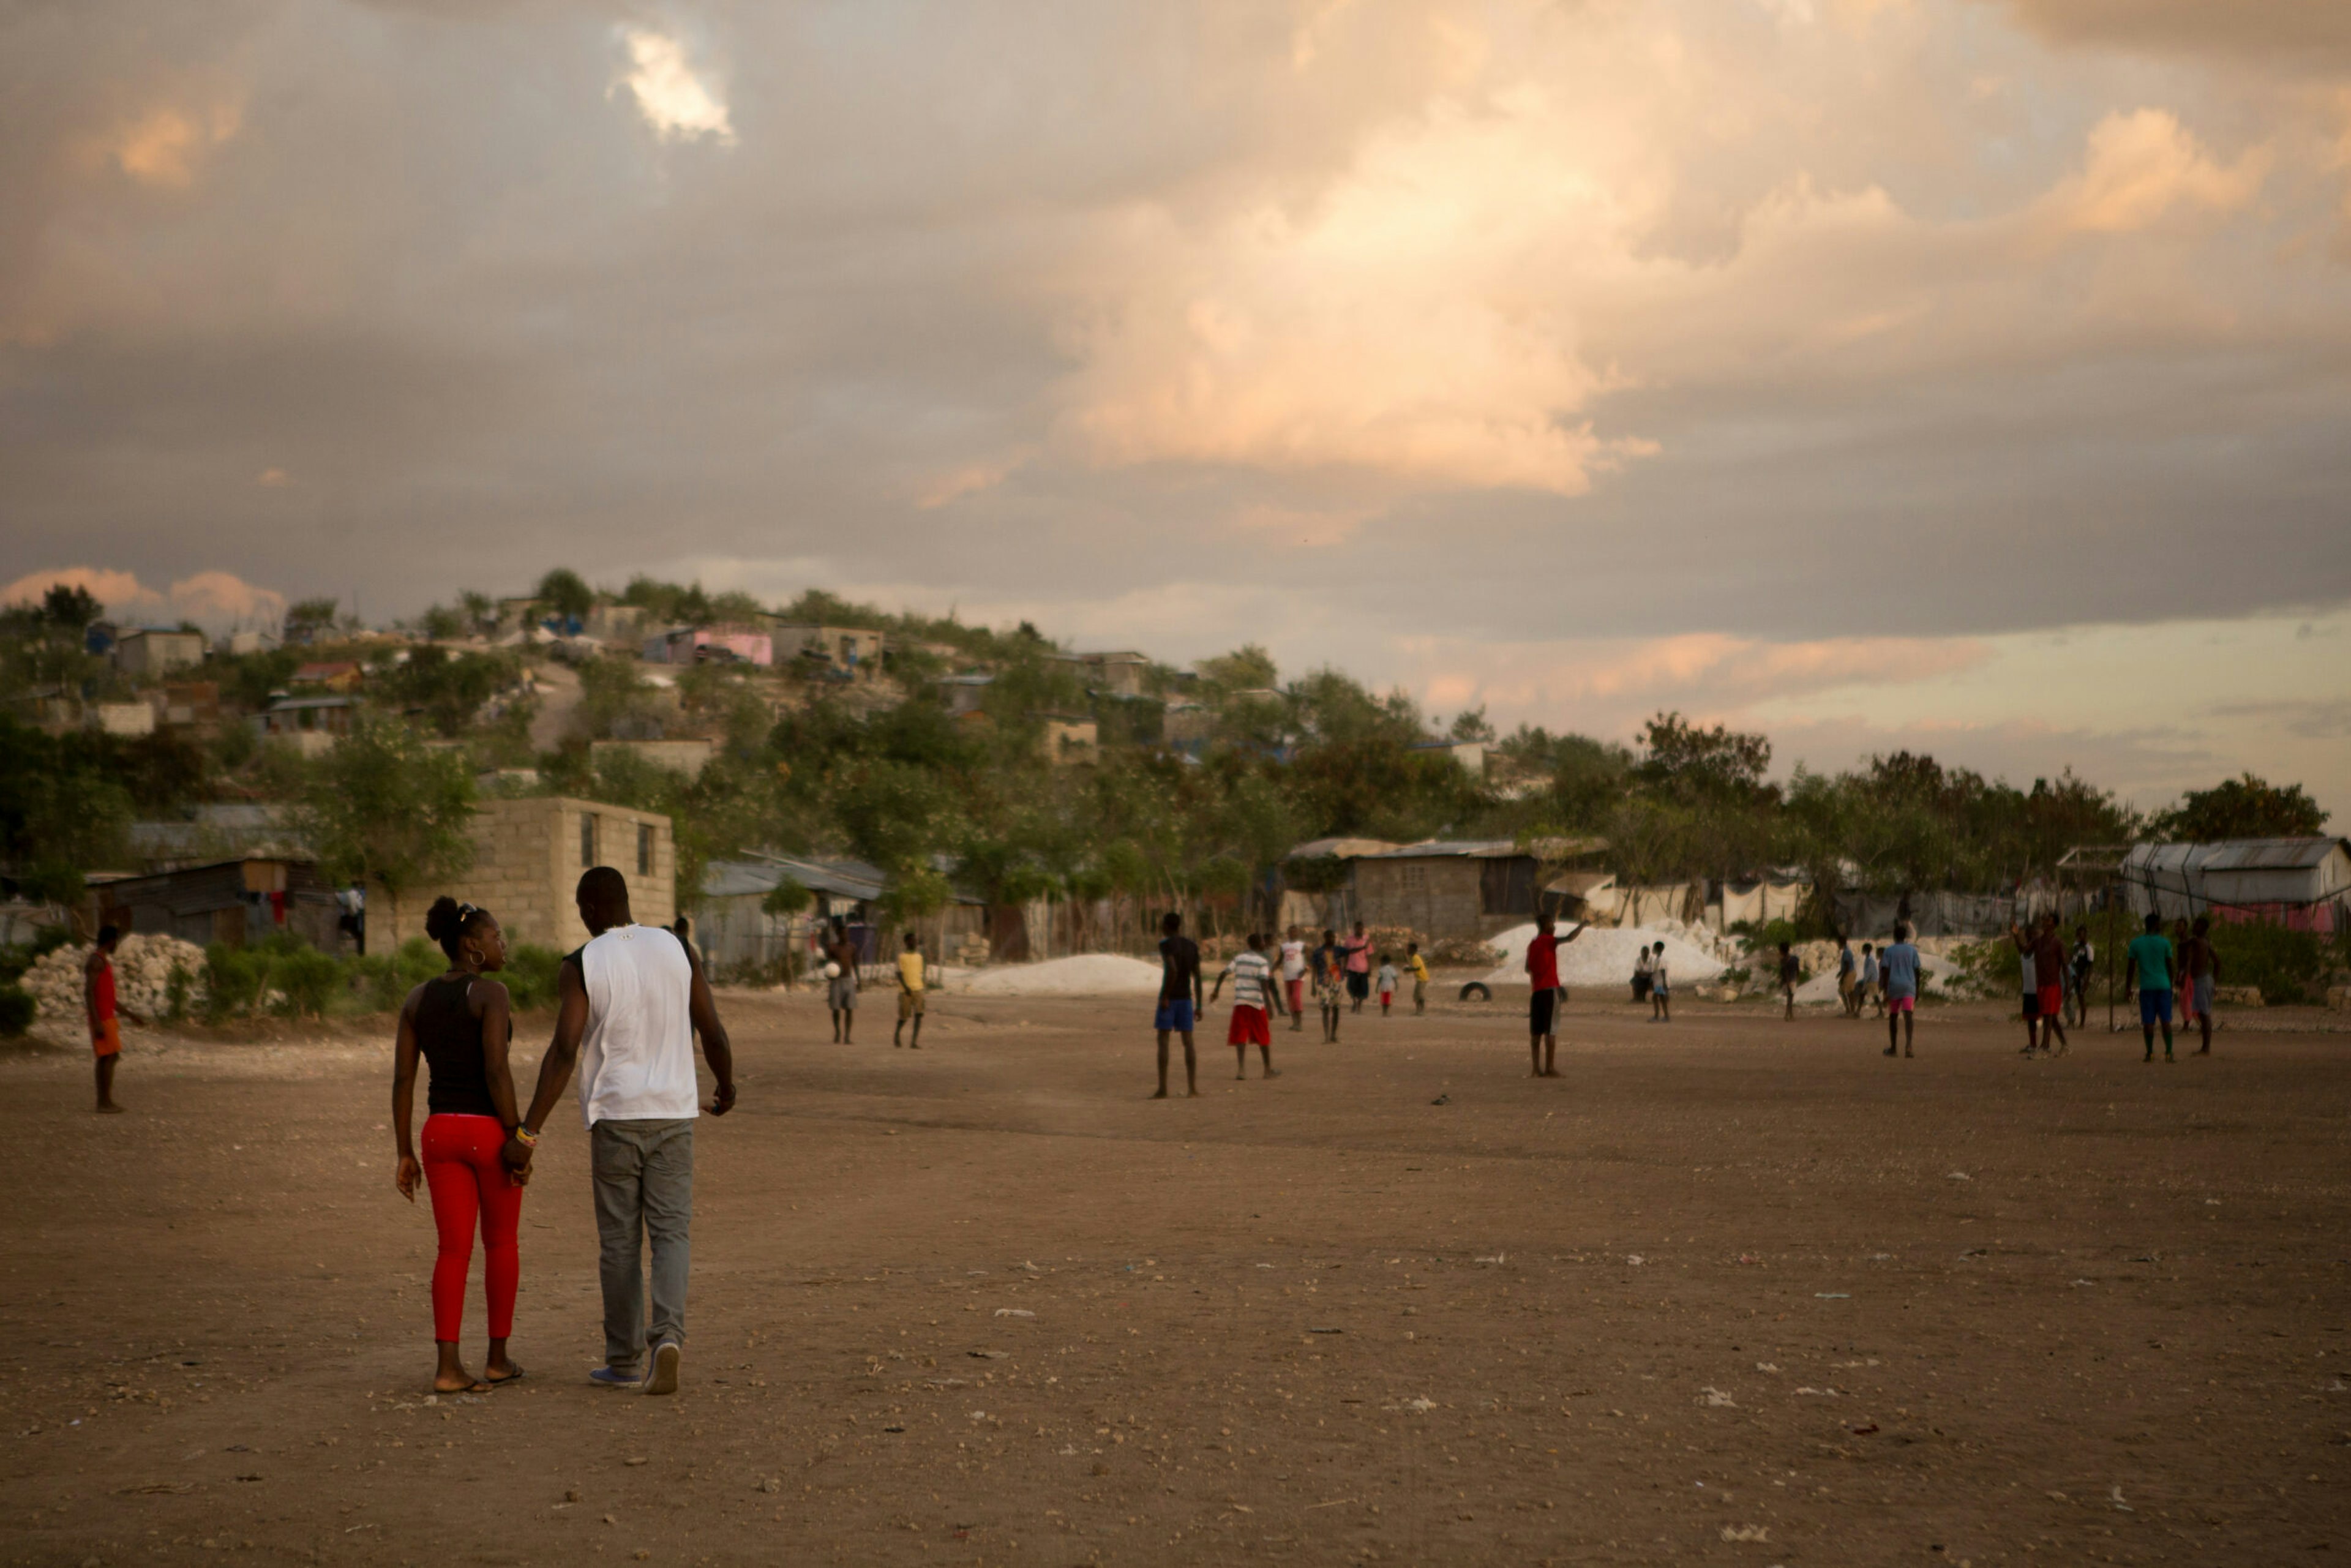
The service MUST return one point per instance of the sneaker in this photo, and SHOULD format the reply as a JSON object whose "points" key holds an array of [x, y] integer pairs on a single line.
{"points": [[614, 1377], [663, 1379]]}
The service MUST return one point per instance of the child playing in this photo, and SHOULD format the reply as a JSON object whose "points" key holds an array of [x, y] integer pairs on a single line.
{"points": [[1253, 994], [1419, 967], [1387, 982], [1661, 1000]]}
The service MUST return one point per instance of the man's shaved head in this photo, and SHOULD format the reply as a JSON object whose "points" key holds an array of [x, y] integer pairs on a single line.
{"points": [[604, 899]]}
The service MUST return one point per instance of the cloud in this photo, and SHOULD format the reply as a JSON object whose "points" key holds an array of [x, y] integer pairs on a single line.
{"points": [[2308, 35], [273, 479], [2316, 719], [680, 103], [1390, 322], [1608, 685], [211, 599], [165, 145], [971, 479], [2144, 165]]}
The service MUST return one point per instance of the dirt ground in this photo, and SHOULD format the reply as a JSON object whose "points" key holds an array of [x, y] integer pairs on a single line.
{"points": [[1731, 1290]]}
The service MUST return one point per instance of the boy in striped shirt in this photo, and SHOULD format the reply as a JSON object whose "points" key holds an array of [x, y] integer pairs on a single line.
{"points": [[1253, 995]]}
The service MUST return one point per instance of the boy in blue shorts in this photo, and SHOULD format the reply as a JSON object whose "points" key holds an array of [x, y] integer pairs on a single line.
{"points": [[1180, 1001], [2149, 966]]}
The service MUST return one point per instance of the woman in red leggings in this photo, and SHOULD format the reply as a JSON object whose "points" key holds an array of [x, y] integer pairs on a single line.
{"points": [[459, 1024]]}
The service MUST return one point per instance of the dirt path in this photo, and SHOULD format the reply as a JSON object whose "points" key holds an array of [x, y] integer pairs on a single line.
{"points": [[1732, 1292]]}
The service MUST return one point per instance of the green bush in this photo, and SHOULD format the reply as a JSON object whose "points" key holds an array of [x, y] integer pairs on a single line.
{"points": [[306, 982], [531, 977], [177, 991], [233, 979], [16, 1010], [382, 981], [2288, 966]]}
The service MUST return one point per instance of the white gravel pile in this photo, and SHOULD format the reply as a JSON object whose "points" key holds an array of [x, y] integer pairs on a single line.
{"points": [[142, 976], [1602, 956], [1085, 975], [1822, 988]]}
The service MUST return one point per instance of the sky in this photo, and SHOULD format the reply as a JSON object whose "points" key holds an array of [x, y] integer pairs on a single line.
{"points": [[1964, 375]]}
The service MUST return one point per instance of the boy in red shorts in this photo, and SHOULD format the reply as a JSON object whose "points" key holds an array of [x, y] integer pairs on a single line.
{"points": [[1253, 994]]}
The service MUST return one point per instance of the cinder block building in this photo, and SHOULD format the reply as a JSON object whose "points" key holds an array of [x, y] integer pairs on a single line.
{"points": [[528, 857]]}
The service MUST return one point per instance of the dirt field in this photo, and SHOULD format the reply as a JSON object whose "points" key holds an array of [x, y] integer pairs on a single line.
{"points": [[1733, 1290]]}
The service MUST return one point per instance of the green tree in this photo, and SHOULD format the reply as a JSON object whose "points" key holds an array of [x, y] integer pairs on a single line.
{"points": [[1688, 761], [384, 807], [2246, 808], [567, 593], [71, 607]]}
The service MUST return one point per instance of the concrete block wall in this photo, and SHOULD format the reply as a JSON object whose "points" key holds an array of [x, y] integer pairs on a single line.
{"points": [[527, 863]]}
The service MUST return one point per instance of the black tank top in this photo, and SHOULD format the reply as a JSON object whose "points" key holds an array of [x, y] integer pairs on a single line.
{"points": [[451, 1038]]}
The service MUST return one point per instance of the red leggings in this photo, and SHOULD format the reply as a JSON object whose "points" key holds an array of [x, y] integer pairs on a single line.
{"points": [[467, 1178]]}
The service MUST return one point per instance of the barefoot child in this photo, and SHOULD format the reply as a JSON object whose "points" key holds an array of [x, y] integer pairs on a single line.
{"points": [[910, 992], [1387, 983], [1253, 994], [1179, 1000]]}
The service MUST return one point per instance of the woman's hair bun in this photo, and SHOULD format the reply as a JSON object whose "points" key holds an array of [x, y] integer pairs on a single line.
{"points": [[442, 920]]}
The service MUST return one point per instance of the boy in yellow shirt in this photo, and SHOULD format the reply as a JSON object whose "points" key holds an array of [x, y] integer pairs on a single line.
{"points": [[910, 992], [1417, 966]]}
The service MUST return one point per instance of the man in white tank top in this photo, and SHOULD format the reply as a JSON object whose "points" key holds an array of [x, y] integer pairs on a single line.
{"points": [[630, 1003]]}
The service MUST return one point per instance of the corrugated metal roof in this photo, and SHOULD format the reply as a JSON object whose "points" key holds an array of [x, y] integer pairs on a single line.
{"points": [[2234, 854], [1474, 849]]}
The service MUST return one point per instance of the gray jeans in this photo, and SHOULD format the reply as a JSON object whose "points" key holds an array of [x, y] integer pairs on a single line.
{"points": [[644, 1176]]}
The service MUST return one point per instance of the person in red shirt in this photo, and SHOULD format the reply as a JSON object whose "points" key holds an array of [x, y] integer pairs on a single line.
{"points": [[1543, 1008], [105, 1027]]}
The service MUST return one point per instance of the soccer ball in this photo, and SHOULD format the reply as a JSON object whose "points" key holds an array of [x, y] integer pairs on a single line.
{"points": [[831, 971]]}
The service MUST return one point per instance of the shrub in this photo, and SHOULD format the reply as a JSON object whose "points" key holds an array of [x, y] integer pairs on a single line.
{"points": [[16, 1010], [233, 980], [304, 982], [2288, 966], [530, 976], [382, 981]]}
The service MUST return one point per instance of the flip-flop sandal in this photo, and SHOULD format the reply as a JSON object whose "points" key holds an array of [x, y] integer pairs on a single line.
{"points": [[514, 1377], [477, 1387]]}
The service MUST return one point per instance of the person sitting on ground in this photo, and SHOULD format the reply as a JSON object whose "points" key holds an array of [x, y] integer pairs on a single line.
{"points": [[1661, 989], [461, 1024], [1898, 964], [911, 990], [2199, 975], [1253, 994], [1387, 983], [1419, 967], [2148, 966], [1180, 1001], [1790, 973]]}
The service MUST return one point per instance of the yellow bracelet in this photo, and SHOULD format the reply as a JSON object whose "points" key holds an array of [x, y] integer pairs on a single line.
{"points": [[525, 1136]]}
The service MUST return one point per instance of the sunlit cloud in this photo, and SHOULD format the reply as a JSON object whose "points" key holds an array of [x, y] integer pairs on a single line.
{"points": [[2144, 165], [166, 145], [680, 103], [272, 478], [211, 599]]}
